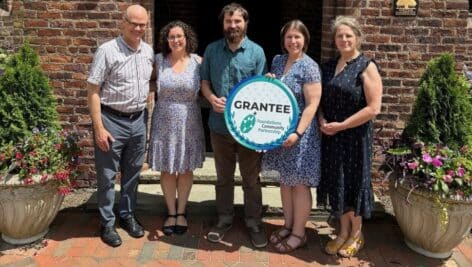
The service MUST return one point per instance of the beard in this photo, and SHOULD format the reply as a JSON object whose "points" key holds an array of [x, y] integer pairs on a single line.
{"points": [[234, 35]]}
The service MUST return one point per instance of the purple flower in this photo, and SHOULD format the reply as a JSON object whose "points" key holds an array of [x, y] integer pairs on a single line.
{"points": [[412, 165], [427, 158], [436, 161], [460, 172]]}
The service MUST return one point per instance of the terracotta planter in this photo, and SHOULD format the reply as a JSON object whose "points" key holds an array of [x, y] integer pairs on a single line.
{"points": [[27, 211], [419, 221]]}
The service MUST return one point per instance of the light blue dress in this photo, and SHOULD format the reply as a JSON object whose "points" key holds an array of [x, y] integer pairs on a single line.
{"points": [[177, 143], [299, 164]]}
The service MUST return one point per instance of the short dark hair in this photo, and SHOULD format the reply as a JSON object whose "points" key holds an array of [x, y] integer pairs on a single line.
{"points": [[299, 26], [231, 8], [190, 36]]}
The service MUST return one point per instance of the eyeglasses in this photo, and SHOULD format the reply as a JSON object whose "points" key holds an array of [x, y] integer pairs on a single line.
{"points": [[140, 25], [175, 37]]}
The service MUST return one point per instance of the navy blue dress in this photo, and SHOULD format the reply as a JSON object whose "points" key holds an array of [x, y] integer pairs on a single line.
{"points": [[346, 156]]}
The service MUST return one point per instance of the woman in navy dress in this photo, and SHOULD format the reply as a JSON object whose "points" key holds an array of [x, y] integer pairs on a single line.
{"points": [[298, 160], [352, 93]]}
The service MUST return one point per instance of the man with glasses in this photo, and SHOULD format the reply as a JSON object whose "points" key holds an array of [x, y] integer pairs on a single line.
{"points": [[226, 62], [118, 87]]}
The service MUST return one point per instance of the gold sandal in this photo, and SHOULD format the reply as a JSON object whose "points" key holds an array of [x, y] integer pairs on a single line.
{"points": [[277, 235], [333, 246], [286, 248], [352, 246]]}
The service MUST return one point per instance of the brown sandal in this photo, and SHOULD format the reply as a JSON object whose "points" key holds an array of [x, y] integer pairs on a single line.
{"points": [[277, 235], [286, 248]]}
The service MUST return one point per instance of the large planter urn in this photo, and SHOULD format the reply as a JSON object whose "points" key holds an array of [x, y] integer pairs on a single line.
{"points": [[26, 211], [419, 217]]}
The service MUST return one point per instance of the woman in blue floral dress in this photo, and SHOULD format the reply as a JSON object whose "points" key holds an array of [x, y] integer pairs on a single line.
{"points": [[298, 160], [177, 142]]}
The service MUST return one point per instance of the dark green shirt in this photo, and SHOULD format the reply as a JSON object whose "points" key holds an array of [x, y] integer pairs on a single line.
{"points": [[224, 69]]}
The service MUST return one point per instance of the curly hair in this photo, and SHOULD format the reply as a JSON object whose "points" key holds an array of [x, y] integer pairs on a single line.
{"points": [[190, 36]]}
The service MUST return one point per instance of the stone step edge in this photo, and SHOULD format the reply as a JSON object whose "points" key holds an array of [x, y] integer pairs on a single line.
{"points": [[153, 177]]}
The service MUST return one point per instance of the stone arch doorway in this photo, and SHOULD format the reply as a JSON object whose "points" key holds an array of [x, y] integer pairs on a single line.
{"points": [[263, 28]]}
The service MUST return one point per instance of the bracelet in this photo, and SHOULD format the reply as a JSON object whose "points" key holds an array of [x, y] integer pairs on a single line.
{"points": [[298, 134]]}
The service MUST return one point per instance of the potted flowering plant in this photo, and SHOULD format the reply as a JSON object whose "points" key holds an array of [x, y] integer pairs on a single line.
{"points": [[38, 160], [43, 156], [431, 184]]}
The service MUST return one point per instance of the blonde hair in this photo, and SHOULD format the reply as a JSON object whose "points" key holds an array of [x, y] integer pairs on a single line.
{"points": [[352, 23]]}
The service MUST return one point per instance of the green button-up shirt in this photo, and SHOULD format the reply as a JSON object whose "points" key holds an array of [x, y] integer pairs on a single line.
{"points": [[224, 69]]}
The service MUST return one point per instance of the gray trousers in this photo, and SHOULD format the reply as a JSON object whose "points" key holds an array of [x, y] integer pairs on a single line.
{"points": [[227, 151], [125, 155]]}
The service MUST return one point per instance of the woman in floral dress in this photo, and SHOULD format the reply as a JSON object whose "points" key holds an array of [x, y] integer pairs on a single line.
{"points": [[298, 160], [177, 142]]}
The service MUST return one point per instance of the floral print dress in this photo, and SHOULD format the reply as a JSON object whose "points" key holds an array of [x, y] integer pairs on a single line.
{"points": [[299, 164], [177, 143]]}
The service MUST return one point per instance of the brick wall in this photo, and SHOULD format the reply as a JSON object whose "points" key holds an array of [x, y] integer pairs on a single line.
{"points": [[402, 46], [66, 34]]}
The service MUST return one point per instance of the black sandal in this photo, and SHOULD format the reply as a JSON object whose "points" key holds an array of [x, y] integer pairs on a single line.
{"points": [[180, 229], [169, 229]]}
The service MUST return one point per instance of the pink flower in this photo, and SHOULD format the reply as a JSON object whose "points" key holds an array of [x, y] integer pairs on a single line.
{"points": [[436, 161], [63, 190], [2, 157], [427, 158], [447, 178], [412, 165], [18, 155], [450, 172], [460, 172], [44, 177]]}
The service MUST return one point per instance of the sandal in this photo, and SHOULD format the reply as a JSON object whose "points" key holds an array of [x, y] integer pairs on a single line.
{"points": [[277, 235], [352, 246], [284, 247], [333, 246], [169, 229], [180, 229]]}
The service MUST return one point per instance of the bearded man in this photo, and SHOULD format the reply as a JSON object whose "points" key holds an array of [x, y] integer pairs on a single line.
{"points": [[226, 62]]}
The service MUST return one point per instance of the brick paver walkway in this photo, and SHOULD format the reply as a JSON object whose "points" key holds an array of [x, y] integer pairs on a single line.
{"points": [[73, 241]]}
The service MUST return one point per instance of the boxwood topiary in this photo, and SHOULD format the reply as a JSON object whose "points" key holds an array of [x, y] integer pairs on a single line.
{"points": [[27, 100]]}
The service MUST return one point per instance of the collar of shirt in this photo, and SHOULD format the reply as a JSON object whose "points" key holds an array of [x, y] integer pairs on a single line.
{"points": [[243, 44], [121, 40]]}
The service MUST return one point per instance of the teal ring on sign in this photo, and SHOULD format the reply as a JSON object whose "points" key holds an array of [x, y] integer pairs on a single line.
{"points": [[261, 112]]}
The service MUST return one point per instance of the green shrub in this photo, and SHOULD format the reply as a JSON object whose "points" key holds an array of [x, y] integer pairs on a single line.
{"points": [[27, 100], [442, 113]]}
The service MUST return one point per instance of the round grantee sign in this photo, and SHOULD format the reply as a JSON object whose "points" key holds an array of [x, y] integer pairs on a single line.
{"points": [[261, 112]]}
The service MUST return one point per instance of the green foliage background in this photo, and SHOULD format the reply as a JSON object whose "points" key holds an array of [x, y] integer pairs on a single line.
{"points": [[27, 100], [442, 113]]}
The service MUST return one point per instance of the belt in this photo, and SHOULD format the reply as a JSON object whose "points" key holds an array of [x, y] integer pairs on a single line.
{"points": [[129, 115]]}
